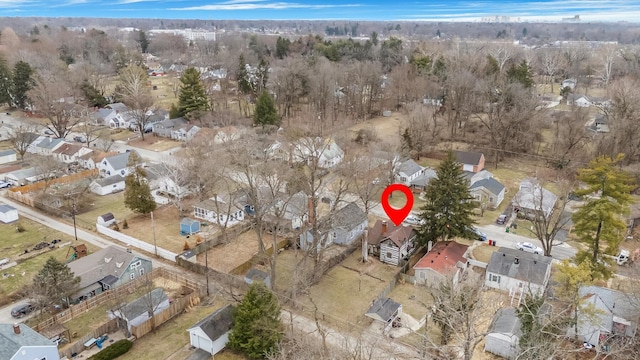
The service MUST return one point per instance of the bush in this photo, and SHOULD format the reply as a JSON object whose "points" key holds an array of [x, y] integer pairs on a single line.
{"points": [[125, 225], [20, 228], [116, 349]]}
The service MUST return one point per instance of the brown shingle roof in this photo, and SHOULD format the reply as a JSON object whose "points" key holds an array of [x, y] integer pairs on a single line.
{"points": [[397, 234], [68, 149]]}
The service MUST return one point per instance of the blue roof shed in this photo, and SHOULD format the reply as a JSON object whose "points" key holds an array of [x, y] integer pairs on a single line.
{"points": [[189, 226]]}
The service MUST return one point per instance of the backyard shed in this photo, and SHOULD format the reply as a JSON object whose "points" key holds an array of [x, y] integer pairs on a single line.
{"points": [[106, 219], [386, 311], [7, 156], [504, 334], [211, 334], [189, 226], [8, 214]]}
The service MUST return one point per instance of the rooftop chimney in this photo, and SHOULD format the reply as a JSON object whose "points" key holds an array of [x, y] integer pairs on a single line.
{"points": [[16, 329], [516, 261], [384, 227]]}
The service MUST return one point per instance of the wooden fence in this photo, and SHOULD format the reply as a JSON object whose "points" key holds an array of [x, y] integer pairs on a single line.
{"points": [[78, 346], [117, 293], [176, 307], [61, 180]]}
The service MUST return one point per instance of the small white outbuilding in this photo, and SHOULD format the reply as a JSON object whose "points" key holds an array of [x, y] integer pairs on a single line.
{"points": [[8, 213]]}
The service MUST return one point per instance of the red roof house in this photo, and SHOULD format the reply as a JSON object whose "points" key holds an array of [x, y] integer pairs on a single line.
{"points": [[445, 258]]}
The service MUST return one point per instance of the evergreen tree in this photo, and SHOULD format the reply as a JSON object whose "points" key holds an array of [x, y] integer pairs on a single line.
{"points": [[22, 82], [449, 208], [244, 85], [6, 82], [137, 194], [521, 74], [265, 112], [54, 283], [598, 223], [143, 41], [256, 323], [192, 94], [282, 47], [94, 96]]}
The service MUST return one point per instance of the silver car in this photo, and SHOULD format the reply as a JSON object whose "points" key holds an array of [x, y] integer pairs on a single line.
{"points": [[529, 247]]}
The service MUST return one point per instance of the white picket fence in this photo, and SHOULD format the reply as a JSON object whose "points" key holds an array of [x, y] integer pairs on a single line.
{"points": [[131, 241]]}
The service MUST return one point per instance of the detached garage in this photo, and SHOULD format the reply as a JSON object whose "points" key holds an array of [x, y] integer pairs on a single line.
{"points": [[8, 213], [7, 156], [211, 334], [504, 334]]}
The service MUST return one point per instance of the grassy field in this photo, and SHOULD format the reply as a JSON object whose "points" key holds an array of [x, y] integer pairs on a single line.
{"points": [[113, 203], [167, 228], [163, 94], [13, 245], [155, 143], [483, 252], [416, 300], [347, 290]]}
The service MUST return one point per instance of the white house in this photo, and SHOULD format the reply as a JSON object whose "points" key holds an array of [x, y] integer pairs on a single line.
{"points": [[211, 334], [8, 156], [343, 228], [20, 342], [407, 171], [48, 145], [108, 185], [115, 165], [8, 213], [325, 151], [533, 200], [229, 214], [160, 179], [518, 272]]}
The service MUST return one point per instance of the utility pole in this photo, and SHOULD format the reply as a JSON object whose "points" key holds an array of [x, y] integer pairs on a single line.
{"points": [[206, 268], [153, 229], [73, 213]]}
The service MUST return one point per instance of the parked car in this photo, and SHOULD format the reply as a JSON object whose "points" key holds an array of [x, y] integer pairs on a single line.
{"points": [[480, 235], [574, 197], [79, 139], [22, 310], [502, 219], [4, 184], [48, 132], [414, 220], [529, 247]]}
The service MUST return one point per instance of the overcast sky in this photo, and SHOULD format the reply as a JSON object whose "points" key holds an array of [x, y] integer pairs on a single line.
{"points": [[389, 10]]}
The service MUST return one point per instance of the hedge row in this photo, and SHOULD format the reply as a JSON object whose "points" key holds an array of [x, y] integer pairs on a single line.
{"points": [[114, 350]]}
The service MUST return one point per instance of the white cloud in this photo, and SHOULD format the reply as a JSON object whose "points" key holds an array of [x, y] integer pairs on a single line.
{"points": [[260, 4]]}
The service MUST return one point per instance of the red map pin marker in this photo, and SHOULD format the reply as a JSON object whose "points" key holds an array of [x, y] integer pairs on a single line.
{"points": [[397, 216]]}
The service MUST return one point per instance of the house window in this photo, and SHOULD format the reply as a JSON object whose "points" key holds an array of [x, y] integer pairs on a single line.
{"points": [[136, 264], [132, 276], [389, 255], [495, 278], [121, 172], [335, 235], [403, 179], [141, 271]]}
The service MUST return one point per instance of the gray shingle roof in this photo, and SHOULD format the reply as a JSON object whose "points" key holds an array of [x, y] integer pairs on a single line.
{"points": [[618, 303], [10, 342], [506, 321], [255, 274], [383, 309], [119, 161], [120, 107], [467, 157], [216, 324], [531, 267], [140, 305], [409, 167], [534, 197], [7, 152], [49, 143], [425, 178], [98, 265], [4, 208], [490, 184], [348, 217], [109, 180]]}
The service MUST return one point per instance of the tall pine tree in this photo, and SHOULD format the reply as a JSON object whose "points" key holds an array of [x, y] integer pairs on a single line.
{"points": [[137, 194], [598, 223], [266, 112], [449, 208], [54, 283], [22, 82], [256, 323], [6, 82], [192, 94], [242, 76]]}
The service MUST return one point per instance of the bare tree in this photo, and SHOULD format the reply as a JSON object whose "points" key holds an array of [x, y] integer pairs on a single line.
{"points": [[502, 53], [550, 62], [90, 133], [608, 54], [548, 216], [422, 128], [462, 313], [365, 175], [134, 90], [21, 137], [53, 97], [47, 168], [570, 136]]}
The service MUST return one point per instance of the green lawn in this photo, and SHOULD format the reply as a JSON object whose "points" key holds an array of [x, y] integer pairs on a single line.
{"points": [[113, 203], [13, 245]]}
